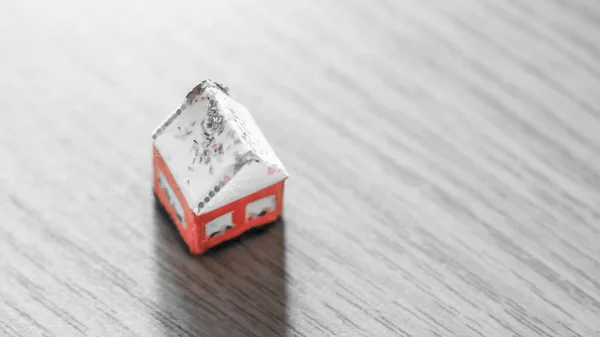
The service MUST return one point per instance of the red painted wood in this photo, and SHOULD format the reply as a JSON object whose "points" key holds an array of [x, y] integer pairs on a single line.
{"points": [[188, 234], [240, 223]]}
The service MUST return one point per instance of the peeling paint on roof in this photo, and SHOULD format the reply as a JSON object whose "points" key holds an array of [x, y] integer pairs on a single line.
{"points": [[207, 141]]}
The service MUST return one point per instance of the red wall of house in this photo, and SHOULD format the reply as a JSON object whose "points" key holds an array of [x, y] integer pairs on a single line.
{"points": [[241, 224], [189, 233]]}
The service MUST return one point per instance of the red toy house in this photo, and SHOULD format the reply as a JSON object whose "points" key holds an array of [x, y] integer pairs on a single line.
{"points": [[214, 172]]}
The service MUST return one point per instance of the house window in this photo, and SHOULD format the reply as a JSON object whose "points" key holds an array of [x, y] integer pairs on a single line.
{"points": [[260, 207], [171, 197], [219, 225]]}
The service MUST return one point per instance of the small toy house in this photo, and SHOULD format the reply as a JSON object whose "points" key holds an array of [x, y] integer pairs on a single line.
{"points": [[214, 172]]}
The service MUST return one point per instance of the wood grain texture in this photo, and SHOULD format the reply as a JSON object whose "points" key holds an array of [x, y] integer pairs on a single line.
{"points": [[444, 160]]}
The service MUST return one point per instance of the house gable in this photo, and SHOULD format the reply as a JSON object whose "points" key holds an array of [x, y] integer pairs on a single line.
{"points": [[252, 177]]}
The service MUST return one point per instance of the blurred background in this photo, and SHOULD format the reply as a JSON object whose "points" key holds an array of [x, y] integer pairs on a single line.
{"points": [[444, 160]]}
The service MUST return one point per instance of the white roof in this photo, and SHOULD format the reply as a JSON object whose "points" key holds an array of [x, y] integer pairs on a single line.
{"points": [[214, 149]]}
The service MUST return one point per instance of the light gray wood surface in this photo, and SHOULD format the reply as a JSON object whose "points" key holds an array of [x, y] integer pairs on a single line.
{"points": [[444, 160]]}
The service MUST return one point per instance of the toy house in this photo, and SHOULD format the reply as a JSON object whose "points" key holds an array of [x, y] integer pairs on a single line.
{"points": [[214, 171]]}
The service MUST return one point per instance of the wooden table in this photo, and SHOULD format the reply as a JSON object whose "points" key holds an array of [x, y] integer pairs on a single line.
{"points": [[444, 160]]}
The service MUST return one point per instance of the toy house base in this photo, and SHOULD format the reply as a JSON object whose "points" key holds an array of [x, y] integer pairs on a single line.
{"points": [[204, 231]]}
